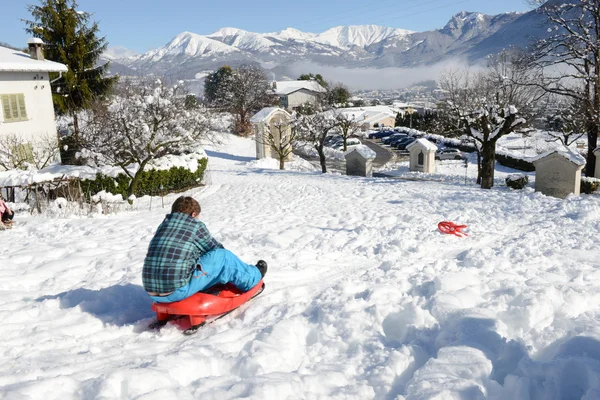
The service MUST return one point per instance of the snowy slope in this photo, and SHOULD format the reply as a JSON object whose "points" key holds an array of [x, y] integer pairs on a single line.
{"points": [[190, 45], [365, 299], [358, 35]]}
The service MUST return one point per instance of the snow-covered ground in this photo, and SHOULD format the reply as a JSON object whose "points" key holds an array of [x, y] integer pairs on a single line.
{"points": [[364, 299]]}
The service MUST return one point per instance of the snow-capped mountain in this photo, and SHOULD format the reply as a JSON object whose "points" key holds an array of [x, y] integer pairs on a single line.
{"points": [[115, 53], [467, 35], [345, 37]]}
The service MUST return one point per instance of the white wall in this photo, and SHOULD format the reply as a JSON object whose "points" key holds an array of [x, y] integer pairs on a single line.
{"points": [[38, 102], [300, 97]]}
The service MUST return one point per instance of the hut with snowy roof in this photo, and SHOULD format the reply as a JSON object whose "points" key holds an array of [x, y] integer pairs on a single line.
{"points": [[272, 121], [558, 172], [359, 161], [422, 156]]}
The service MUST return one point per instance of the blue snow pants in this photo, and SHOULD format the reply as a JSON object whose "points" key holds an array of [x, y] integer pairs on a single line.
{"points": [[218, 266]]}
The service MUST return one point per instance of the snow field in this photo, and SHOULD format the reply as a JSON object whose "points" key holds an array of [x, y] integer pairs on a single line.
{"points": [[364, 299]]}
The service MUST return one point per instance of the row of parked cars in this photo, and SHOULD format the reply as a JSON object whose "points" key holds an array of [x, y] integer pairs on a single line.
{"points": [[400, 140]]}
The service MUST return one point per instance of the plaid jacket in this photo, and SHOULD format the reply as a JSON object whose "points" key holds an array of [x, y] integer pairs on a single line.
{"points": [[173, 252]]}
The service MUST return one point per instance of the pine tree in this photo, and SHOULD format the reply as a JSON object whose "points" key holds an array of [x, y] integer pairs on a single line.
{"points": [[215, 84], [71, 39]]}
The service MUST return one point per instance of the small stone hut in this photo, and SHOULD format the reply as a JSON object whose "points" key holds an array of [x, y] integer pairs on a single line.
{"points": [[359, 161], [597, 170], [270, 117], [558, 172], [422, 156]]}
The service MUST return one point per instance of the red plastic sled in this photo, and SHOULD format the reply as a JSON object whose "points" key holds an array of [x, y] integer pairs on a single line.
{"points": [[216, 301], [452, 229]]}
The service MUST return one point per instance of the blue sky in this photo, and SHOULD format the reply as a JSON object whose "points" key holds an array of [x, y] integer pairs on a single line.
{"points": [[142, 25]]}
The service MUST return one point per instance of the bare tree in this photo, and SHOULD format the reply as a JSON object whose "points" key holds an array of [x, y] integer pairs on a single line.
{"points": [[491, 104], [246, 91], [18, 153], [347, 125], [142, 122], [567, 62], [313, 128], [567, 124], [279, 135]]}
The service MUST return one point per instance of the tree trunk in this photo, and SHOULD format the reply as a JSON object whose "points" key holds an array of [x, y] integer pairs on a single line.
{"points": [[281, 162], [76, 130], [592, 136], [488, 161], [136, 179], [478, 167], [321, 157]]}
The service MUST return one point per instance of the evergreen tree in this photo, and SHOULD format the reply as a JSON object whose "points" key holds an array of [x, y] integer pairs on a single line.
{"points": [[310, 77], [72, 39], [214, 85]]}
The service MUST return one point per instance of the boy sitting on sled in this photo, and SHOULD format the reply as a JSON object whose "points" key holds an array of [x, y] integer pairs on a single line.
{"points": [[183, 258]]}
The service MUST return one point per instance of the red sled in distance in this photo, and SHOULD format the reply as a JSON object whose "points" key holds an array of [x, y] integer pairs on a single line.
{"points": [[214, 302]]}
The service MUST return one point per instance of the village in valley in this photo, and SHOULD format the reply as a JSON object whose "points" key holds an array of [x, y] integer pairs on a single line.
{"points": [[434, 236]]}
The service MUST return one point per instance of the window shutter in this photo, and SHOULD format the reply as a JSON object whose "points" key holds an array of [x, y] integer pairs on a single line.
{"points": [[22, 110], [14, 107], [6, 107]]}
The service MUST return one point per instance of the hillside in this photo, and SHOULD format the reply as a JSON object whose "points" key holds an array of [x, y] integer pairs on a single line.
{"points": [[364, 299]]}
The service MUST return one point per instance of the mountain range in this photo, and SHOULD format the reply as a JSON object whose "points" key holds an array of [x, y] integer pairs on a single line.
{"points": [[467, 36]]}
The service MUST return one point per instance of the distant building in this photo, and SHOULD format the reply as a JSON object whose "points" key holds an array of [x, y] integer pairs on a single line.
{"points": [[293, 94], [26, 109], [370, 117]]}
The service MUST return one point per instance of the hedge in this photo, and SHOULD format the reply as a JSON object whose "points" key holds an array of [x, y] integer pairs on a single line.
{"points": [[513, 162], [172, 180]]}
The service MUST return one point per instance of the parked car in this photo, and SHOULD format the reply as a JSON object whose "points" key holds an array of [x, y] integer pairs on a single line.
{"points": [[380, 134], [330, 140], [398, 139], [403, 142], [394, 137], [402, 145], [448, 154], [350, 143]]}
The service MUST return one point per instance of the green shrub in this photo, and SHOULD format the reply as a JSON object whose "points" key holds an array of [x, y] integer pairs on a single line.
{"points": [[589, 186], [517, 181], [172, 180]]}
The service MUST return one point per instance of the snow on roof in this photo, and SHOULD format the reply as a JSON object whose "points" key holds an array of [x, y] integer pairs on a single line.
{"points": [[424, 143], [364, 151], [287, 87], [265, 113], [14, 60], [575, 158]]}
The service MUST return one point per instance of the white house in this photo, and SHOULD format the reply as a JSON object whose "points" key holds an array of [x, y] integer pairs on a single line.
{"points": [[26, 109], [368, 117], [293, 94]]}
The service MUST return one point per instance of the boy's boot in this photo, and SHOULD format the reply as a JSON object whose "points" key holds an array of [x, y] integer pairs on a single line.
{"points": [[262, 267]]}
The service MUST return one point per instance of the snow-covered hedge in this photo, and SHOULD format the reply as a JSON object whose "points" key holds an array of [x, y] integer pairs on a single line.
{"points": [[152, 182], [589, 185], [517, 181]]}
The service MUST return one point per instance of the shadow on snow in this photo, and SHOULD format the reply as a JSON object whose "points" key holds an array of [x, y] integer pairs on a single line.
{"points": [[118, 305]]}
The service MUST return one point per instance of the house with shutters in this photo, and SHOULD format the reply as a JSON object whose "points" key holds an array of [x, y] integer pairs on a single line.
{"points": [[26, 108]]}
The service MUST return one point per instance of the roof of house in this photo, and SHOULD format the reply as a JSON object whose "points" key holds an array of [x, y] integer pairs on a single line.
{"points": [[424, 143], [265, 113], [368, 114], [14, 60], [575, 158], [288, 87]]}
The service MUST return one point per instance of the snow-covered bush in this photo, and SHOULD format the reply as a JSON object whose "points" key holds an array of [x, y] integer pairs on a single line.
{"points": [[151, 182], [517, 181], [589, 185], [142, 122]]}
